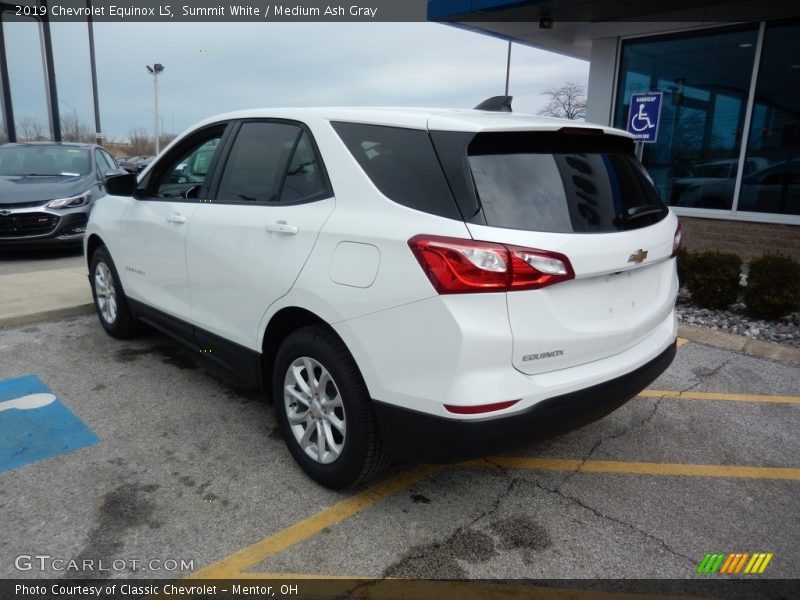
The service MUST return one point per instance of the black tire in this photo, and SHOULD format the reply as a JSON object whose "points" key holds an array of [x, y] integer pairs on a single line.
{"points": [[361, 457], [123, 324]]}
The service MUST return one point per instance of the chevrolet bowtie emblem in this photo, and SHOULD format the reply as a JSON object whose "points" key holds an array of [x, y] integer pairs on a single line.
{"points": [[638, 256]]}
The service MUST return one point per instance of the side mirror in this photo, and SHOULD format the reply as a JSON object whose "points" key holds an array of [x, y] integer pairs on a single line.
{"points": [[121, 185]]}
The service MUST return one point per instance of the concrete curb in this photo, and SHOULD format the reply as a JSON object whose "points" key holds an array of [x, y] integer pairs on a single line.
{"points": [[47, 315], [740, 343]]}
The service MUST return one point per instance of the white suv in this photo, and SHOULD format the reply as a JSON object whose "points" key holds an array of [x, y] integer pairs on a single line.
{"points": [[428, 284]]}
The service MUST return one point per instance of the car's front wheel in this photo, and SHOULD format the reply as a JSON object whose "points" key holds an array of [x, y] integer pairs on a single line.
{"points": [[324, 409], [109, 299]]}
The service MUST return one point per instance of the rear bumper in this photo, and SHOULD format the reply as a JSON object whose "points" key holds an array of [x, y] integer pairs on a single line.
{"points": [[419, 436]]}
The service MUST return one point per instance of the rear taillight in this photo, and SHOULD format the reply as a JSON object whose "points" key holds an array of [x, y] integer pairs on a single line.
{"points": [[457, 266], [676, 240]]}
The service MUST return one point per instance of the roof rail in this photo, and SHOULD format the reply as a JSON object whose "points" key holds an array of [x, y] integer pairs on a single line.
{"points": [[496, 104]]}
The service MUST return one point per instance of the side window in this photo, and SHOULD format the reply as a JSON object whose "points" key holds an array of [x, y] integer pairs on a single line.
{"points": [[100, 164], [105, 163], [304, 177], [187, 171], [402, 164], [110, 160], [255, 169]]}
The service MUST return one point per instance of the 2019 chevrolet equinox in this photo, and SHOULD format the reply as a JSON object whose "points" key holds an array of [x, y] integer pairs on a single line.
{"points": [[429, 284]]}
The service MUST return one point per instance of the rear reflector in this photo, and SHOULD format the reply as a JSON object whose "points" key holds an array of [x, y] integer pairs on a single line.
{"points": [[676, 241], [457, 266], [479, 409]]}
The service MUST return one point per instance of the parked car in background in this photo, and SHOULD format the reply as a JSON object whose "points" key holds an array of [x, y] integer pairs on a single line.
{"points": [[135, 164], [428, 284], [710, 185], [47, 191], [775, 189], [143, 164]]}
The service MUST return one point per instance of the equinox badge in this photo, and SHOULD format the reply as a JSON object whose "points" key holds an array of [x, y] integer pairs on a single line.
{"points": [[638, 256]]}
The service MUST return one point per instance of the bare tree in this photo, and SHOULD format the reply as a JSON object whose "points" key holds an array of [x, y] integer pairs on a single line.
{"points": [[140, 143], [75, 130], [31, 130], [166, 138], [566, 102]]}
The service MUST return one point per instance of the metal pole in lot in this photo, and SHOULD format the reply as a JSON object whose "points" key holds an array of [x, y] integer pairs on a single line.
{"points": [[155, 70], [508, 66], [50, 75], [5, 86], [93, 65]]}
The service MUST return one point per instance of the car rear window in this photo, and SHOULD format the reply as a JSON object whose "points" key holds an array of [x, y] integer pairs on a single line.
{"points": [[402, 164], [561, 182]]}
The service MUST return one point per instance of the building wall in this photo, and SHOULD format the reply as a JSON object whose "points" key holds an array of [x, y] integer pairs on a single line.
{"points": [[600, 92], [743, 238]]}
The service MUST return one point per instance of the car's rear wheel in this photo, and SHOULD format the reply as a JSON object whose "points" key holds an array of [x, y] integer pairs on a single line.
{"points": [[109, 299], [324, 409]]}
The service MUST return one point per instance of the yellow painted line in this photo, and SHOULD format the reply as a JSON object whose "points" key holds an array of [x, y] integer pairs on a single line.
{"points": [[718, 396], [639, 468], [681, 341], [231, 566]]}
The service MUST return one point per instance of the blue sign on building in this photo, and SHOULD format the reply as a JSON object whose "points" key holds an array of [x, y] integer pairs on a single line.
{"points": [[645, 110], [35, 425]]}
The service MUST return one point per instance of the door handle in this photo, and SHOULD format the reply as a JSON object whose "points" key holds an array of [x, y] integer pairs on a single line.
{"points": [[176, 218], [282, 227]]}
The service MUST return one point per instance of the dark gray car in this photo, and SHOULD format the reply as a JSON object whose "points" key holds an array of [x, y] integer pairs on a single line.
{"points": [[47, 191]]}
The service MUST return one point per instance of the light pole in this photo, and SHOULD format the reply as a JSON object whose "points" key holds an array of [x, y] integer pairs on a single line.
{"points": [[155, 70]]}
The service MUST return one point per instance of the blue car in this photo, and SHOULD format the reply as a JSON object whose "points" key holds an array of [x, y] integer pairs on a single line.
{"points": [[47, 190]]}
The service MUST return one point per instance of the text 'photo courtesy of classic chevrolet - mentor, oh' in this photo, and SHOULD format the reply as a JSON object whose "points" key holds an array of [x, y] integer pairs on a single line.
{"points": [[428, 284]]}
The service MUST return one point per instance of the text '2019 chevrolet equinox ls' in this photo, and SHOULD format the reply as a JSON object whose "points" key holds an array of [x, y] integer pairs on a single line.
{"points": [[427, 284]]}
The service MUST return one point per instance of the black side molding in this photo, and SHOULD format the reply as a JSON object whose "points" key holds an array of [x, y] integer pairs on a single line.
{"points": [[242, 363]]}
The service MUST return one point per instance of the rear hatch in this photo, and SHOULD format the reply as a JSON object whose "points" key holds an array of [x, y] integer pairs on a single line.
{"points": [[579, 192]]}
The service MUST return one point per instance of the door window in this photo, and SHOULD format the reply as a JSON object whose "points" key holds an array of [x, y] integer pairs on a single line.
{"points": [[304, 178], [273, 162], [255, 170], [186, 169]]}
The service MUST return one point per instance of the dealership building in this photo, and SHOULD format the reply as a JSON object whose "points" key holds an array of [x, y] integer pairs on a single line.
{"points": [[724, 88]]}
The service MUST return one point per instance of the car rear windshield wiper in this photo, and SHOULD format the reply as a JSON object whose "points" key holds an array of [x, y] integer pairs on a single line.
{"points": [[639, 212]]}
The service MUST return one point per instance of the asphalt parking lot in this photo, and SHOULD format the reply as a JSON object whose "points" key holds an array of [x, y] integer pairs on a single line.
{"points": [[172, 462]]}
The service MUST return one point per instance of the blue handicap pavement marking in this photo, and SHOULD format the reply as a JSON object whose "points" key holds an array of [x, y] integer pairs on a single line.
{"points": [[644, 115], [35, 425]]}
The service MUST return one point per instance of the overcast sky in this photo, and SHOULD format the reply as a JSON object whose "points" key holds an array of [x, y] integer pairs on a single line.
{"points": [[216, 67]]}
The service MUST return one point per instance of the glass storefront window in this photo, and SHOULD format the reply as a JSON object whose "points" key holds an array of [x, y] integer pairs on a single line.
{"points": [[773, 145], [705, 80]]}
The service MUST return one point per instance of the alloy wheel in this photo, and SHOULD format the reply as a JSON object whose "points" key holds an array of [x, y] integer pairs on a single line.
{"points": [[314, 410], [106, 293]]}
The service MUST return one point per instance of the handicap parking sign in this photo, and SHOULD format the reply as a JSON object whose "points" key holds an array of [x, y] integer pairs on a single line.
{"points": [[645, 110], [35, 425]]}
